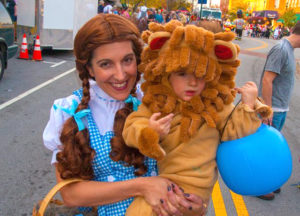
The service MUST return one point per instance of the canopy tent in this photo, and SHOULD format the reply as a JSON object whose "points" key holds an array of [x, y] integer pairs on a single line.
{"points": [[259, 20], [266, 13]]}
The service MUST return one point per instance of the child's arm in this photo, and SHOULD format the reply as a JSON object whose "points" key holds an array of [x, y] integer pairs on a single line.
{"points": [[161, 126], [246, 118], [143, 131], [249, 93]]}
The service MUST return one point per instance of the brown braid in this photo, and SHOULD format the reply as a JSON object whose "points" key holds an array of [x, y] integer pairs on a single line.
{"points": [[119, 150], [75, 159]]}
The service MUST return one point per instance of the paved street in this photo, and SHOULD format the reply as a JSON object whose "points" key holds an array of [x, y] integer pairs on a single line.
{"points": [[27, 92]]}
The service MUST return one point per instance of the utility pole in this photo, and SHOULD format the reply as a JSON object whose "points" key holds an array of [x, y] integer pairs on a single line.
{"points": [[201, 2], [201, 11], [193, 6]]}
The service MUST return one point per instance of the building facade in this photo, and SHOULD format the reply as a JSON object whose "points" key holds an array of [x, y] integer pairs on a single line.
{"points": [[282, 5], [224, 4], [277, 5]]}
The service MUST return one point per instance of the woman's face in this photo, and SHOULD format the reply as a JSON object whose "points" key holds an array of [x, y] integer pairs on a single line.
{"points": [[114, 68], [186, 85]]}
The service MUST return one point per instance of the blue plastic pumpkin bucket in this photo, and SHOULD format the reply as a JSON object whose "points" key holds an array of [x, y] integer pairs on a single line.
{"points": [[256, 164]]}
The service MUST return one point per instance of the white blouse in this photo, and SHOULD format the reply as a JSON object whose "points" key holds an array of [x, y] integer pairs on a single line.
{"points": [[103, 108]]}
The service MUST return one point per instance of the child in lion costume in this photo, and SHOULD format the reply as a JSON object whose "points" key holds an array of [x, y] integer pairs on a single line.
{"points": [[189, 84]]}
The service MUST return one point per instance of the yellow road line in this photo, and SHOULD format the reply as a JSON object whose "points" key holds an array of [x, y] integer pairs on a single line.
{"points": [[264, 45], [239, 204], [219, 206]]}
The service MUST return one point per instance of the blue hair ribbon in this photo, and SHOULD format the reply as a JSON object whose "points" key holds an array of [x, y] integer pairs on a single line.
{"points": [[77, 116], [134, 101]]}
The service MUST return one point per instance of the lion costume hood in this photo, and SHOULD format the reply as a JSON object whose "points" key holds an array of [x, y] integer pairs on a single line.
{"points": [[174, 47]]}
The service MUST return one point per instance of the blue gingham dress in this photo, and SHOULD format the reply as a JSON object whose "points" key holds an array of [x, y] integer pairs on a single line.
{"points": [[107, 170]]}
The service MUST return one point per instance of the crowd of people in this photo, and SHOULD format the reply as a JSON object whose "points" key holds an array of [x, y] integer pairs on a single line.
{"points": [[142, 15], [266, 31]]}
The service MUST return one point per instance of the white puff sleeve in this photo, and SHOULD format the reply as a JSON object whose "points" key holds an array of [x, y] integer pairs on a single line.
{"points": [[51, 135]]}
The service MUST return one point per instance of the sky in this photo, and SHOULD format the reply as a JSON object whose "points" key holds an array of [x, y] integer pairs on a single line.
{"points": [[214, 2]]}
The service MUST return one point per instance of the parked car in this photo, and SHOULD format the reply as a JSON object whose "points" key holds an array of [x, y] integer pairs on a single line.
{"points": [[7, 47]]}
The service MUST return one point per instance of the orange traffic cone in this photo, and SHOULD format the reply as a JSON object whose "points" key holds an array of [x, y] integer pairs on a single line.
{"points": [[24, 49], [37, 54]]}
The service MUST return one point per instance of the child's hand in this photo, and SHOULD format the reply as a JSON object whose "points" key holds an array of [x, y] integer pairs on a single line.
{"points": [[161, 126], [249, 93]]}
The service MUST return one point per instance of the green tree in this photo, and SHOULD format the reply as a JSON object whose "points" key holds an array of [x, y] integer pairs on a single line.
{"points": [[289, 18], [133, 3], [238, 6], [176, 4], [156, 4]]}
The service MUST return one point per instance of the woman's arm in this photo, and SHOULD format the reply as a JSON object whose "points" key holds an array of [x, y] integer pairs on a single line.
{"points": [[94, 193], [155, 190]]}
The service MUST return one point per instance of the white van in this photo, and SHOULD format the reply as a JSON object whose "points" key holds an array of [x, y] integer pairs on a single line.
{"points": [[55, 21]]}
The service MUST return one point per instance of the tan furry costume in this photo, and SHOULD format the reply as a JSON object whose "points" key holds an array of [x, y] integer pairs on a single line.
{"points": [[187, 154]]}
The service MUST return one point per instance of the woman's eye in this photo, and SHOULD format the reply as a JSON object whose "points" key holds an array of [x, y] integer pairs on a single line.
{"points": [[104, 65], [128, 60]]}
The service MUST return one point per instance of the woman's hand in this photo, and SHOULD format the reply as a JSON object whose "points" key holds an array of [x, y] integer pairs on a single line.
{"points": [[249, 93], [198, 206], [161, 126], [190, 204], [158, 193]]}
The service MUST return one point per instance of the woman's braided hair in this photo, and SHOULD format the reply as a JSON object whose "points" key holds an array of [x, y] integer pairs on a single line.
{"points": [[75, 159]]}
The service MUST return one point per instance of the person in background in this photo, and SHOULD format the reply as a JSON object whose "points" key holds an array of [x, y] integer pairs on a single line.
{"points": [[143, 12], [182, 18], [194, 18], [11, 7], [125, 12], [277, 82], [164, 14], [239, 24], [159, 17], [174, 15], [268, 31], [151, 16], [81, 126], [276, 33], [135, 13], [100, 6], [168, 16], [142, 19], [108, 8]]}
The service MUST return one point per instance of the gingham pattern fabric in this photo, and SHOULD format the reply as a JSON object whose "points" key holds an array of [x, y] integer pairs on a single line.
{"points": [[109, 171]]}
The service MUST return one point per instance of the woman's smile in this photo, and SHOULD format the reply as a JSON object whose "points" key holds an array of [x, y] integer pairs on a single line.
{"points": [[120, 86]]}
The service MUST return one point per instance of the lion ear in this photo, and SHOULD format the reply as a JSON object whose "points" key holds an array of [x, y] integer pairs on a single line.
{"points": [[158, 39], [225, 51]]}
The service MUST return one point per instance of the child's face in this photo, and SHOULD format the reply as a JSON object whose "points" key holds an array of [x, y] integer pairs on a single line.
{"points": [[186, 85]]}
